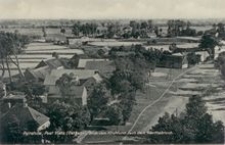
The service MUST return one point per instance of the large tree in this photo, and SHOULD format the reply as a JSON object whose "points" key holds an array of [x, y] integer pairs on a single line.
{"points": [[194, 126], [11, 44], [67, 117], [98, 100], [209, 43]]}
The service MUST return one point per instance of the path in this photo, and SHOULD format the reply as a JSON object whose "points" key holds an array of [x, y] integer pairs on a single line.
{"points": [[160, 98]]}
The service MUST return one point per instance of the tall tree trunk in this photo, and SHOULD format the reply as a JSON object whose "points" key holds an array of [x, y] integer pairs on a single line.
{"points": [[3, 68], [8, 68], [17, 64]]}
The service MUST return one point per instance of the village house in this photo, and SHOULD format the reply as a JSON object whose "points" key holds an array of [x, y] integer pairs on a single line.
{"points": [[104, 68], [51, 79], [84, 82], [102, 50], [77, 94], [52, 63], [39, 73], [176, 60], [27, 118]]}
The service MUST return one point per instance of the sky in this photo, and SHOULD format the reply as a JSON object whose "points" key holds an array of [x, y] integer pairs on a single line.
{"points": [[111, 9]]}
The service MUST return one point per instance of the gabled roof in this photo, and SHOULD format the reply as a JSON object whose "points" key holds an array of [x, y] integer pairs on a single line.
{"points": [[39, 73], [73, 92], [56, 74], [52, 63], [82, 62], [103, 67], [24, 114]]}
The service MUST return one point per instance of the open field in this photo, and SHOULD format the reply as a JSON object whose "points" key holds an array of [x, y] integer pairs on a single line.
{"points": [[175, 100]]}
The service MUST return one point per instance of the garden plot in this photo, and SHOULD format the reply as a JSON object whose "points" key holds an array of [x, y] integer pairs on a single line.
{"points": [[203, 72], [175, 105], [111, 44], [206, 66], [44, 46], [188, 93], [217, 110], [41, 56], [158, 74], [183, 80], [197, 86], [62, 51]]}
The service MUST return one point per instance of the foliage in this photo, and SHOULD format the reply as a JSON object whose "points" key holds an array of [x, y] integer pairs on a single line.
{"points": [[180, 28], [63, 30], [87, 29], [98, 100], [114, 114], [12, 132], [208, 43], [196, 126], [67, 117], [127, 100], [65, 82], [192, 58]]}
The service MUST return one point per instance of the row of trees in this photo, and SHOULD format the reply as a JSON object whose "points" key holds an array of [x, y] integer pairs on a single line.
{"points": [[88, 29], [195, 125], [180, 28], [137, 29]]}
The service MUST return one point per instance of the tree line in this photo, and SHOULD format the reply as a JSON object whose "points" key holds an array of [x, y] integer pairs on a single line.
{"points": [[194, 125]]}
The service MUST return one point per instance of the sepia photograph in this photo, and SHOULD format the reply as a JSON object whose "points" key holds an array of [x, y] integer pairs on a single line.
{"points": [[112, 72]]}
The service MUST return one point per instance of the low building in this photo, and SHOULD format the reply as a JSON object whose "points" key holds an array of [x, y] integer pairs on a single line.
{"points": [[37, 74], [43, 69], [104, 68], [177, 60], [27, 118], [77, 94], [51, 79], [52, 63]]}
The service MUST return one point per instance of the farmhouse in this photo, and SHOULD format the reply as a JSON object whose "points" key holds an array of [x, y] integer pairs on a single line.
{"points": [[28, 118], [52, 63], [37, 74], [105, 68], [176, 60], [77, 94], [43, 69], [51, 79]]}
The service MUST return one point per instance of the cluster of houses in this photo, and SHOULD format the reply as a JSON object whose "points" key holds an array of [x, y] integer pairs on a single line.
{"points": [[86, 74]]}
